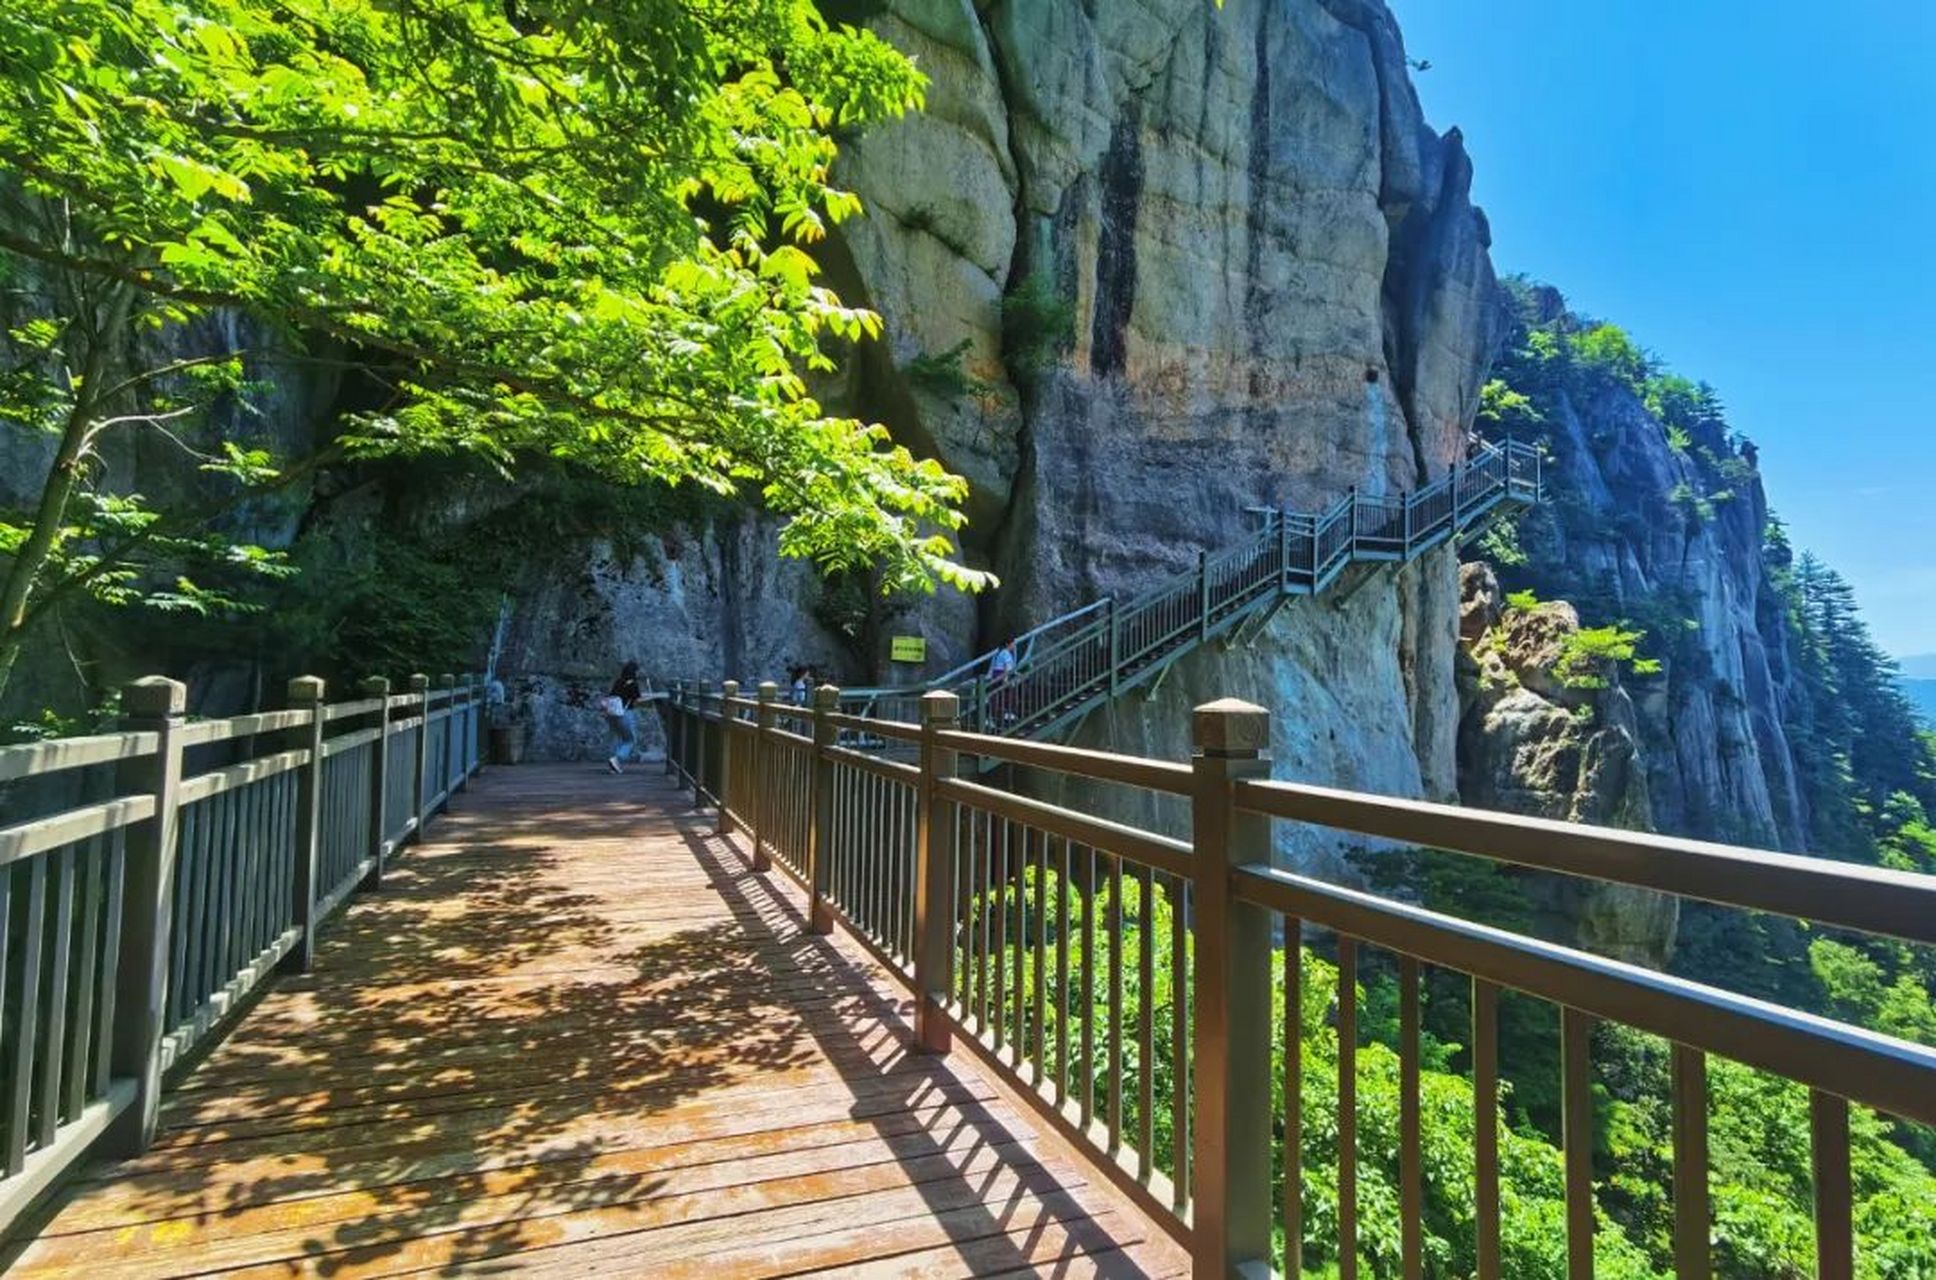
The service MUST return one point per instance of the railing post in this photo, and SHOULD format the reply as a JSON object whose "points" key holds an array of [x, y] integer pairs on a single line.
{"points": [[1405, 511], [379, 688], [820, 831], [1203, 595], [306, 692], [1283, 550], [1352, 515], [727, 692], [151, 705], [419, 791], [934, 874], [673, 717], [480, 724], [762, 779], [1458, 470], [461, 775], [702, 753], [1115, 651], [1232, 1141]]}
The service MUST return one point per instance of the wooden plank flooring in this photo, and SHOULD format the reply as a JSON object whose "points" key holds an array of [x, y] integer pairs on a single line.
{"points": [[573, 1035]]}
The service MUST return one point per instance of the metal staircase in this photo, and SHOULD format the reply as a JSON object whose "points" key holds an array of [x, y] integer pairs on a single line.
{"points": [[1075, 663]]}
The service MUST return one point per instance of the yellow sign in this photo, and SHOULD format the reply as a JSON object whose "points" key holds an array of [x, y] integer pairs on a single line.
{"points": [[908, 649]]}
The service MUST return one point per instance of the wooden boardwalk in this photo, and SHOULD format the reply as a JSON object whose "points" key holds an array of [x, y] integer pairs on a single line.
{"points": [[574, 1035]]}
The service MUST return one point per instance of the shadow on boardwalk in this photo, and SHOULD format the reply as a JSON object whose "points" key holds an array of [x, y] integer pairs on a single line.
{"points": [[573, 1034]]}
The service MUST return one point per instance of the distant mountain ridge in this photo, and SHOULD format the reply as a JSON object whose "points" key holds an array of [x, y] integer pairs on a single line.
{"points": [[1918, 666]]}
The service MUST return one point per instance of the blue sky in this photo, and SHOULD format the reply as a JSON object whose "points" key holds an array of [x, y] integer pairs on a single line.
{"points": [[1749, 188]]}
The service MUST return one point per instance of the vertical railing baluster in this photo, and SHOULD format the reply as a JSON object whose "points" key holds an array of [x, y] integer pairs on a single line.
{"points": [[730, 757], [26, 1016], [1828, 1124], [1576, 1138], [998, 889], [54, 1043], [1145, 1022], [1691, 1213], [1232, 1142], [452, 726], [139, 955], [1347, 1108], [1411, 1177], [1018, 1011], [1293, 1156], [1090, 893], [984, 911], [818, 875], [1178, 889], [1063, 889], [1039, 959], [419, 792], [379, 688], [1485, 1121], [82, 1043], [1114, 1109], [764, 790]]}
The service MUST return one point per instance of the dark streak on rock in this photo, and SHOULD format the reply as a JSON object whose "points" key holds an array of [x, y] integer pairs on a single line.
{"points": [[1120, 191]]}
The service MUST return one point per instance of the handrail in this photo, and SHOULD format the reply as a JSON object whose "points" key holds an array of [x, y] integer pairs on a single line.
{"points": [[1874, 900]]}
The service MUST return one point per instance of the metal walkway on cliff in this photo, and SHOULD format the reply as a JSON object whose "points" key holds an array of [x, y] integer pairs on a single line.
{"points": [[1075, 663]]}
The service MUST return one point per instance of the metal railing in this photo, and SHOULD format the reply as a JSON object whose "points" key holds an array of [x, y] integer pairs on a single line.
{"points": [[146, 916], [1128, 980], [1072, 663]]}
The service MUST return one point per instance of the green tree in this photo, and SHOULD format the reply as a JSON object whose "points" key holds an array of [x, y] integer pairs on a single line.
{"points": [[576, 230], [1608, 350]]}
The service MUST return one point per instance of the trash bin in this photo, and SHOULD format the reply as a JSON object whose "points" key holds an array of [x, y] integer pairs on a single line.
{"points": [[507, 743]]}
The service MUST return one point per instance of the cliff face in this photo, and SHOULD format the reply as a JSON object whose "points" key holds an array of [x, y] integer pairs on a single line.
{"points": [[1656, 517], [1273, 288], [1543, 737]]}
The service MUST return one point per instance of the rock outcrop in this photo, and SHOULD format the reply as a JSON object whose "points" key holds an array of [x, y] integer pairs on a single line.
{"points": [[1663, 527], [1538, 737]]}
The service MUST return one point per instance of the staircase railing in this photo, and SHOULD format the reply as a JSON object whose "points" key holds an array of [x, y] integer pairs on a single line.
{"points": [[1071, 663]]}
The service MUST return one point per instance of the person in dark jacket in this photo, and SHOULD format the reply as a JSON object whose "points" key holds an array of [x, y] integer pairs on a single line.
{"points": [[621, 719]]}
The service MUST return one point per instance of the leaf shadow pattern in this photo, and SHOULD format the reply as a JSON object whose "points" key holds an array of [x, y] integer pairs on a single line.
{"points": [[572, 1030]]}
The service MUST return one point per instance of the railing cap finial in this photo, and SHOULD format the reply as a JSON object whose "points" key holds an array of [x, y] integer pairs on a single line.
{"points": [[419, 682], [154, 696], [769, 691], [376, 686], [826, 698], [306, 689], [1230, 726], [940, 706]]}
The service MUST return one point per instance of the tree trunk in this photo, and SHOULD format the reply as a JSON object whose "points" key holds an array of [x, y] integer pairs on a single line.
{"points": [[32, 558]]}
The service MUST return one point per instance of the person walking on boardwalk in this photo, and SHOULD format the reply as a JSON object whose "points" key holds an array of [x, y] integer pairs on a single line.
{"points": [[620, 718]]}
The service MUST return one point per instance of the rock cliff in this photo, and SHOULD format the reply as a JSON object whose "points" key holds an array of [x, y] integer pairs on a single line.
{"points": [[1656, 517], [1268, 286]]}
